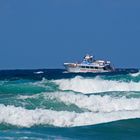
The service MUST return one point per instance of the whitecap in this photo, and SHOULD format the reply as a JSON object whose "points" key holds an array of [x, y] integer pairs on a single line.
{"points": [[22, 117], [96, 85]]}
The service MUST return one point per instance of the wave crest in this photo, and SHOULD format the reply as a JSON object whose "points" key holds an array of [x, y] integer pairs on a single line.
{"points": [[26, 118], [95, 85]]}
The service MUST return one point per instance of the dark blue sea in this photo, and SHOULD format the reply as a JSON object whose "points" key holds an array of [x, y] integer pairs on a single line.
{"points": [[56, 105]]}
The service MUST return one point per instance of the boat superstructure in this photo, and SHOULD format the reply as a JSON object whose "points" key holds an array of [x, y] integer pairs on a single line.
{"points": [[89, 64]]}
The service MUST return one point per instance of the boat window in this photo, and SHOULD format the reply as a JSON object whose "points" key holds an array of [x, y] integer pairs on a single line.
{"points": [[87, 67], [96, 67], [91, 67], [82, 66]]}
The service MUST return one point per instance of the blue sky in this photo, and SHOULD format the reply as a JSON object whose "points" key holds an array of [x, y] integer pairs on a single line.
{"points": [[46, 33]]}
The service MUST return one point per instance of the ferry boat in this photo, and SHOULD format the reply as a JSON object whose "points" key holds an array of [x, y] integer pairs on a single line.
{"points": [[89, 64]]}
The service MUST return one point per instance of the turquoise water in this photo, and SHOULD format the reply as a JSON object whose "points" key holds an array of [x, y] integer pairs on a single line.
{"points": [[53, 104]]}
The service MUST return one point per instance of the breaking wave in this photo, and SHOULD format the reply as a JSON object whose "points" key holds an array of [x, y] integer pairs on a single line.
{"points": [[95, 85], [62, 102], [94, 103], [135, 74], [26, 118], [96, 109], [97, 103]]}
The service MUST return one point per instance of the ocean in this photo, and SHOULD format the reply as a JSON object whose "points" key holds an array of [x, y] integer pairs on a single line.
{"points": [[53, 104]]}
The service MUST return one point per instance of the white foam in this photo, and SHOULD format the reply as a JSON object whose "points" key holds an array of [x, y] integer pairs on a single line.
{"points": [[94, 103], [86, 85], [26, 118], [39, 72], [135, 74], [97, 103], [24, 97]]}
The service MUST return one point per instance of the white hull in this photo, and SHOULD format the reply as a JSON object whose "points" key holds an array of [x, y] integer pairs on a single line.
{"points": [[78, 69]]}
